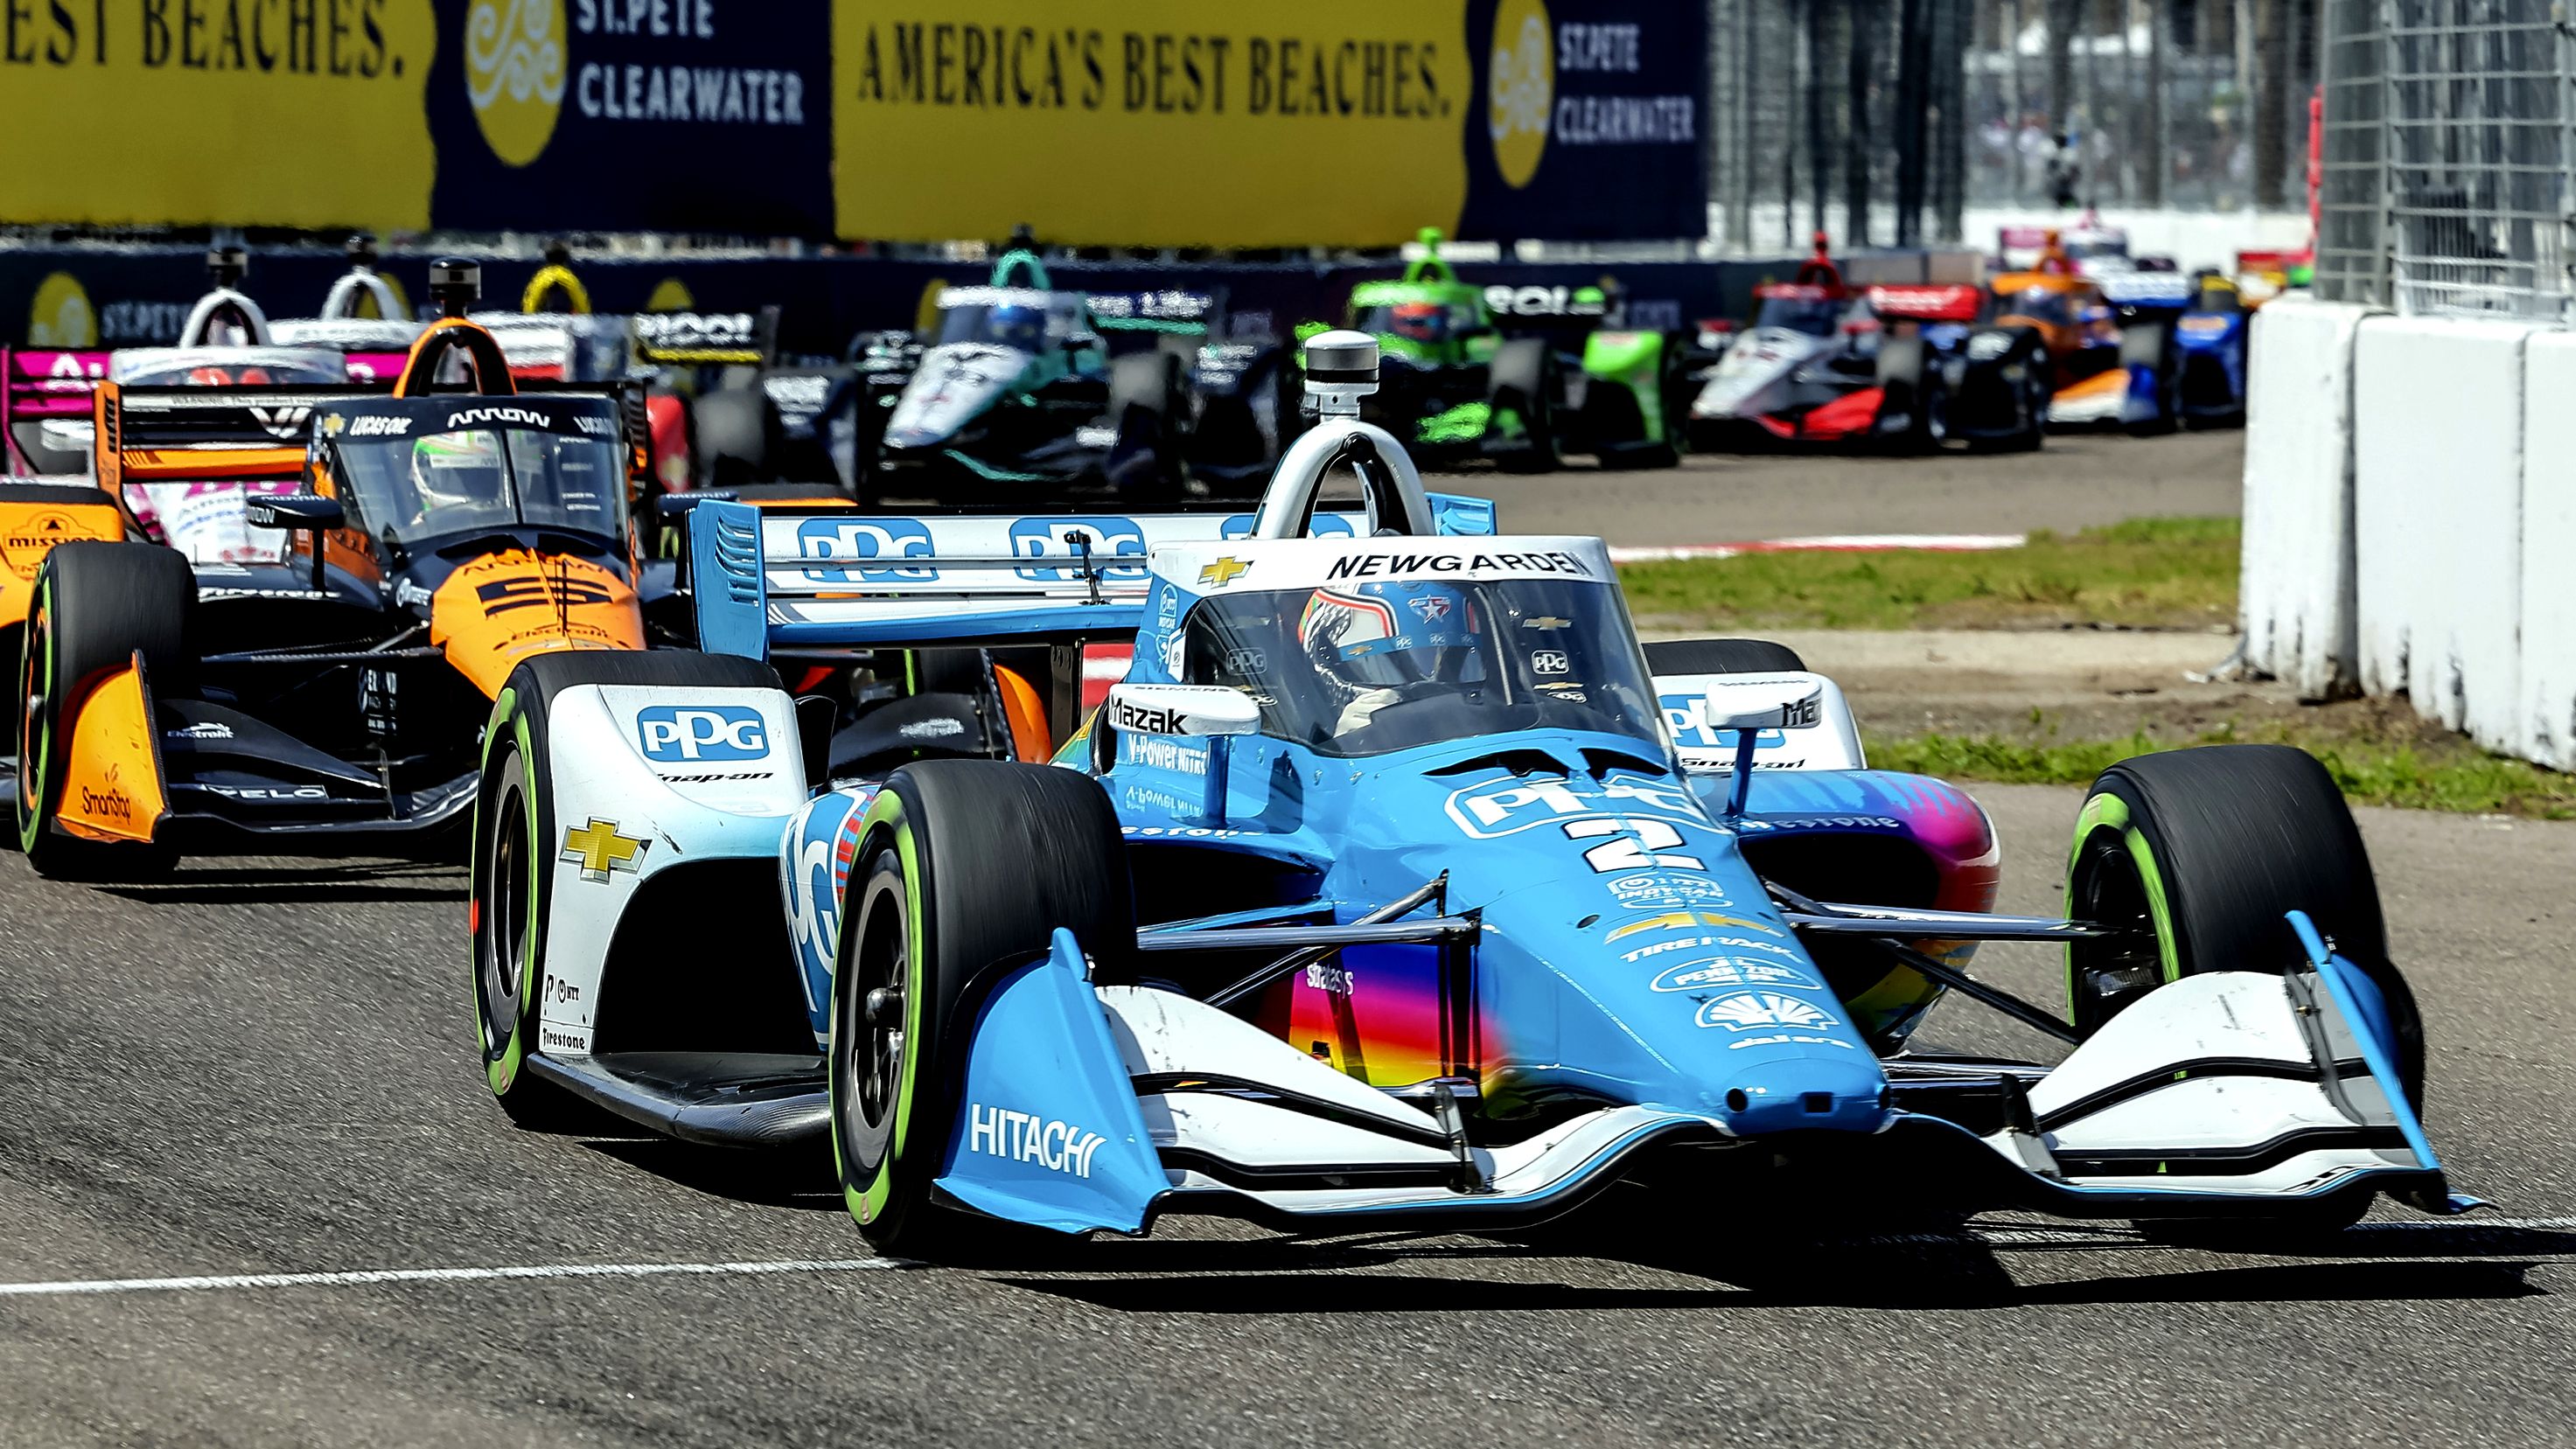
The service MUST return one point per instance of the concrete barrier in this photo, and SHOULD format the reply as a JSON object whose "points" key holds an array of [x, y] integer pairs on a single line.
{"points": [[2547, 688], [2437, 518], [2296, 599]]}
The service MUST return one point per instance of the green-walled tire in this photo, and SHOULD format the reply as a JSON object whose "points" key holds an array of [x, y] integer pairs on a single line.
{"points": [[512, 868], [961, 864], [96, 603]]}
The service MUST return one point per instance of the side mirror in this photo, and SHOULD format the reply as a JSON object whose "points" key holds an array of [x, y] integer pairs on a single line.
{"points": [[299, 512], [1792, 703], [1182, 709]]}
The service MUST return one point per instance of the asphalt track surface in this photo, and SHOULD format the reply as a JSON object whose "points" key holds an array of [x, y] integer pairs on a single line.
{"points": [[264, 1068], [2077, 480]]}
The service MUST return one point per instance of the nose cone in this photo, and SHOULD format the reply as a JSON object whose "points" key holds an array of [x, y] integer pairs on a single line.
{"points": [[1806, 1094]]}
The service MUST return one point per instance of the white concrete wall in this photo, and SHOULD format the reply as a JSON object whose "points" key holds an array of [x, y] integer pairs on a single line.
{"points": [[2437, 518], [2547, 690], [2296, 600], [2450, 576]]}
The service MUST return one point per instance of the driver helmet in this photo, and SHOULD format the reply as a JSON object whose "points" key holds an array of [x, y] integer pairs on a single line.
{"points": [[1017, 324], [457, 470], [1421, 321], [1368, 642]]}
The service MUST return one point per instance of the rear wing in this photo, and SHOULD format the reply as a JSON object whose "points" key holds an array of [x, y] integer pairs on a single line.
{"points": [[770, 581], [38, 384], [152, 434], [1927, 304], [2147, 291]]}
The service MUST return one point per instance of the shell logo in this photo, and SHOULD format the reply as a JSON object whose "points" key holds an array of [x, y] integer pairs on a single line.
{"points": [[514, 74], [62, 316], [1520, 89]]}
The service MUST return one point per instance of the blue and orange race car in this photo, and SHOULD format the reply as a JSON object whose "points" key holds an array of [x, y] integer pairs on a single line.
{"points": [[1395, 888]]}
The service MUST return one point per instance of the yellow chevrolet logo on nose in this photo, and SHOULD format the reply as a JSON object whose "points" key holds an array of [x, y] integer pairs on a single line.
{"points": [[598, 849], [1224, 571]]}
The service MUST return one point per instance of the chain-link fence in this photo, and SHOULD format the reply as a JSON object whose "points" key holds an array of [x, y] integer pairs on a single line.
{"points": [[1846, 116], [2190, 104], [2448, 153]]}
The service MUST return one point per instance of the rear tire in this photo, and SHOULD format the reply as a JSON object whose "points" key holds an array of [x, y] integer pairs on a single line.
{"points": [[95, 604], [2199, 853], [1723, 656], [2151, 346], [962, 863], [513, 864], [1523, 381], [1146, 405], [730, 432]]}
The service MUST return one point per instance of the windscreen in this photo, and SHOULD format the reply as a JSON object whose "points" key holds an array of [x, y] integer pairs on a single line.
{"points": [[1814, 316], [1025, 320], [2041, 304], [1368, 668], [484, 478], [185, 373]]}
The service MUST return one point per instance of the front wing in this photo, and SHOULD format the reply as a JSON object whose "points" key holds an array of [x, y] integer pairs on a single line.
{"points": [[2232, 1093]]}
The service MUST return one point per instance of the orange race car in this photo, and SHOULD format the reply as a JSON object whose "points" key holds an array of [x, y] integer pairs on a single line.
{"points": [[2055, 300], [331, 699]]}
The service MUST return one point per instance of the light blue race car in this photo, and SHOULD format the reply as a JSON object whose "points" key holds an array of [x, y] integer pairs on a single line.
{"points": [[1395, 886]]}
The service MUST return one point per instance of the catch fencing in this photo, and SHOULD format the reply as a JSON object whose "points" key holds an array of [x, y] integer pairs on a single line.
{"points": [[2447, 185]]}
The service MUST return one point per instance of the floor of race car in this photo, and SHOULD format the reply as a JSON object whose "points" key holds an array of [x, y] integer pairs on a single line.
{"points": [[255, 1194]]}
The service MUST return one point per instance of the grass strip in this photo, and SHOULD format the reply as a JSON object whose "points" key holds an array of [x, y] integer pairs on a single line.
{"points": [[2457, 778], [2149, 573]]}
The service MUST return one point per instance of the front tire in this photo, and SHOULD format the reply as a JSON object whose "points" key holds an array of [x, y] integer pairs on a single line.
{"points": [[1722, 656], [962, 864], [95, 605], [513, 863], [2195, 856]]}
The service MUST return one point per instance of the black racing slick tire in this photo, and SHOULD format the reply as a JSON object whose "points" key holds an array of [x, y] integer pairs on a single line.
{"points": [[1523, 381], [730, 430], [961, 864], [94, 604], [516, 841], [2150, 345], [1675, 657], [2194, 857]]}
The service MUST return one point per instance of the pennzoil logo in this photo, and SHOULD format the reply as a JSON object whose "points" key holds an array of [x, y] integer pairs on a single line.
{"points": [[514, 74], [1520, 89], [529, 591]]}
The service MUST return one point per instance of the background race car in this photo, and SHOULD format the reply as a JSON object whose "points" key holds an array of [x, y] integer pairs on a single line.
{"points": [[1903, 367], [1485, 372], [333, 698], [1021, 391], [2182, 356]]}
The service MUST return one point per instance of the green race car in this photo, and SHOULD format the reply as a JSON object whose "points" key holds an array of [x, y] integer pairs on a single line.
{"points": [[1521, 377]]}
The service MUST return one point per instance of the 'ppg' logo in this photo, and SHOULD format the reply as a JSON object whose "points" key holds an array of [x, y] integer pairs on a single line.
{"points": [[1692, 728], [671, 733], [1053, 538], [871, 538]]}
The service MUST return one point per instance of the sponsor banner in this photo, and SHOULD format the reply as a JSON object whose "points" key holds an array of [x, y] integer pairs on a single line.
{"points": [[1587, 120], [633, 115], [301, 113], [1155, 122], [1151, 123]]}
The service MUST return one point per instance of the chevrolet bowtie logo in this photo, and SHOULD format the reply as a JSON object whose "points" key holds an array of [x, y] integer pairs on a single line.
{"points": [[598, 849], [1224, 571]]}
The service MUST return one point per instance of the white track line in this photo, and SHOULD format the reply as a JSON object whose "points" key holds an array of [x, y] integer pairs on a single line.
{"points": [[1824, 543], [2122, 1236], [369, 1276]]}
